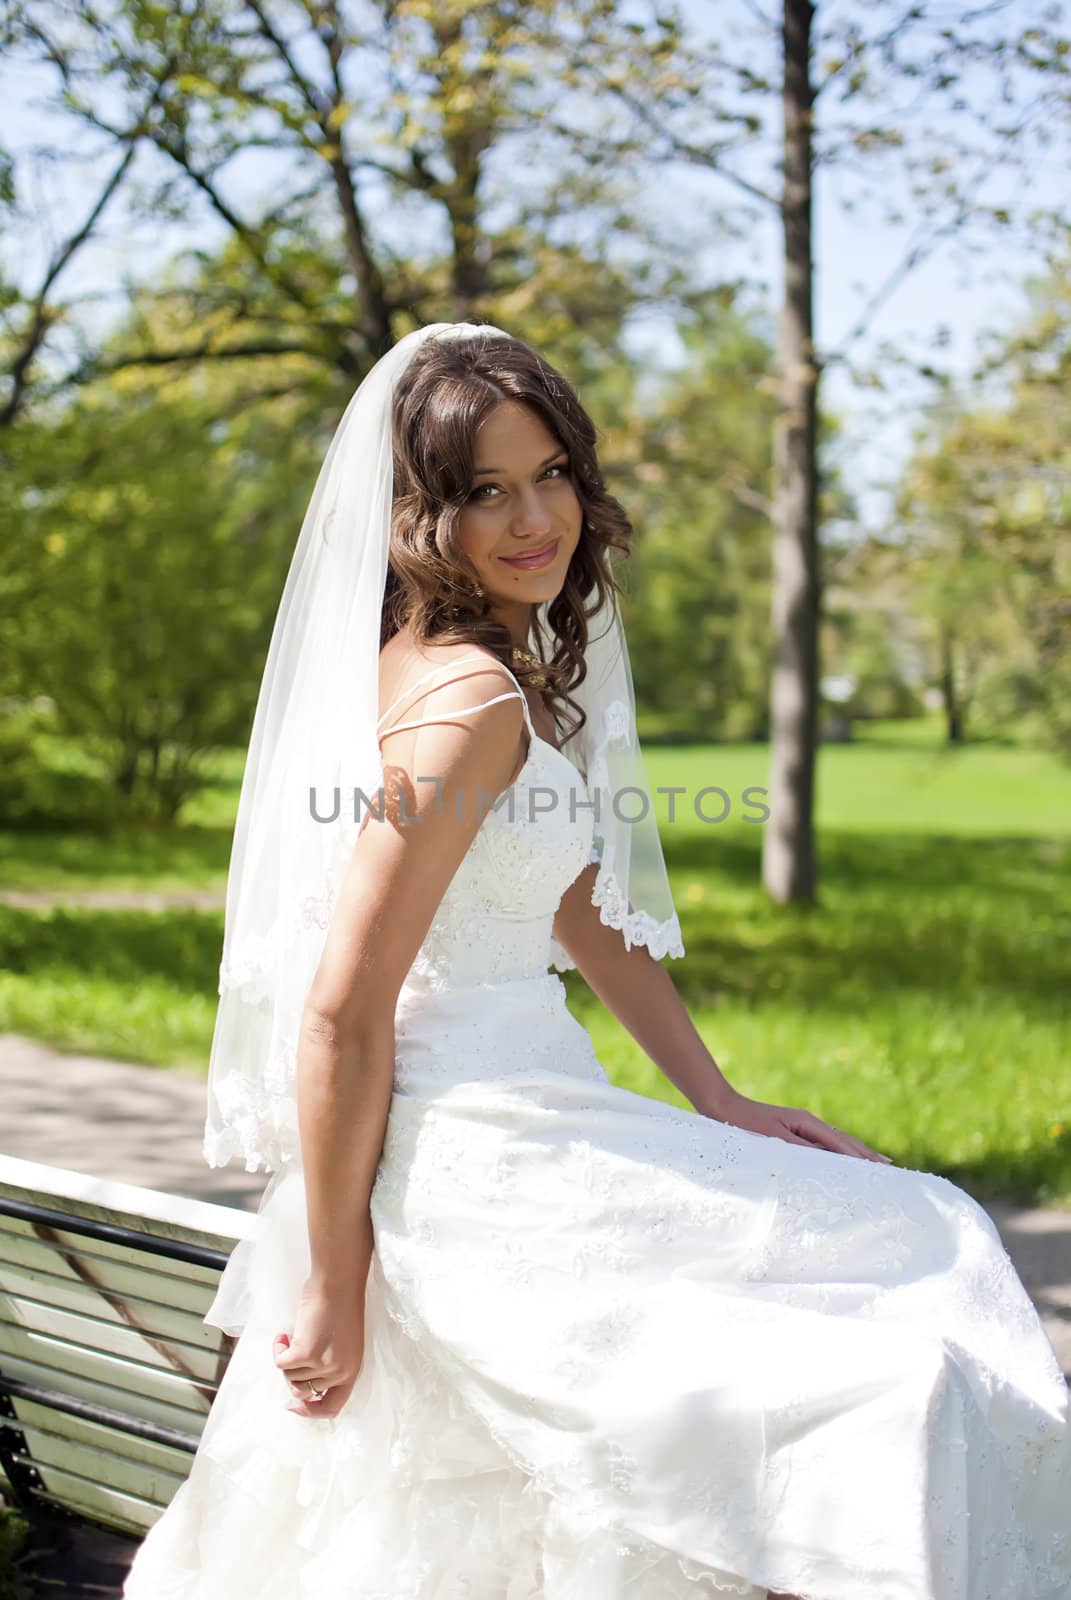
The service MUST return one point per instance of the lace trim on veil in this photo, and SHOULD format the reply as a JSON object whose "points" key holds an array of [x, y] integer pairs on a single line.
{"points": [[615, 908], [251, 966], [262, 1123]]}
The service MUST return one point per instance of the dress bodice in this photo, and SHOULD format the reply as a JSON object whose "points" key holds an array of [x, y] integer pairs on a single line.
{"points": [[494, 922]]}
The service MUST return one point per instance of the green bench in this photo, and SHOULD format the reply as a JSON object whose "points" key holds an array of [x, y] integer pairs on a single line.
{"points": [[107, 1372]]}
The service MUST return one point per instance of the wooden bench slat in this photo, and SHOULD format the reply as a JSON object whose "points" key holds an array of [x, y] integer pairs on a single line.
{"points": [[141, 1391], [177, 1283], [39, 1298], [126, 1513], [151, 1211], [62, 1338], [47, 1428], [125, 1474]]}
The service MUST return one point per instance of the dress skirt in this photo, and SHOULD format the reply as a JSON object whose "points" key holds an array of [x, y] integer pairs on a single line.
{"points": [[616, 1350]]}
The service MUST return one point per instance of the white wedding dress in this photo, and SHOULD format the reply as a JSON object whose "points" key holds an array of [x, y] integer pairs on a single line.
{"points": [[616, 1350]]}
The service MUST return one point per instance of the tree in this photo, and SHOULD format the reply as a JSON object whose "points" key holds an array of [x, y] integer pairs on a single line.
{"points": [[986, 512], [698, 583], [148, 536], [866, 86]]}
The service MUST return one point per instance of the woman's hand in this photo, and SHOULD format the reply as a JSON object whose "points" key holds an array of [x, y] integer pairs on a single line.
{"points": [[326, 1345], [795, 1127]]}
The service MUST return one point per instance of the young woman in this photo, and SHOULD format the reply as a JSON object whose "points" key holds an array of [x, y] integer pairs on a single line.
{"points": [[507, 1331]]}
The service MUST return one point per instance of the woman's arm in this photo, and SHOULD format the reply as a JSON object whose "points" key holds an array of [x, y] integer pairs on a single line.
{"points": [[642, 996], [644, 999], [397, 874]]}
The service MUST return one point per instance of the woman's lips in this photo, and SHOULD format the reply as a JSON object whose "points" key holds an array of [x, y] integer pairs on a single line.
{"points": [[537, 558]]}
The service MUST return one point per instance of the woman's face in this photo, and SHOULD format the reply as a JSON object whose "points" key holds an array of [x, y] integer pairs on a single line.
{"points": [[522, 504]]}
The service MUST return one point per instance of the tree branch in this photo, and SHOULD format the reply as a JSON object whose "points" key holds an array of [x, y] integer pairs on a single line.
{"points": [[855, 53], [94, 367], [919, 250], [746, 495], [376, 317], [41, 319], [323, 107], [682, 147]]}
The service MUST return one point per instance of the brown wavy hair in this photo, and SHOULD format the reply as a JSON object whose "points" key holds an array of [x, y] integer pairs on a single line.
{"points": [[447, 388]]}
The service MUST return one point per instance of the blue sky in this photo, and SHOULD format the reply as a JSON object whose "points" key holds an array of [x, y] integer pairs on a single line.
{"points": [[946, 308]]}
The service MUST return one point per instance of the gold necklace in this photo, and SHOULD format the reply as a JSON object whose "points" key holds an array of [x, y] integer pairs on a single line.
{"points": [[525, 658]]}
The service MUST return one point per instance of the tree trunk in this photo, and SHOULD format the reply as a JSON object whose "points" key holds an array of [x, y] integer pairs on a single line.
{"points": [[953, 710], [788, 857]]}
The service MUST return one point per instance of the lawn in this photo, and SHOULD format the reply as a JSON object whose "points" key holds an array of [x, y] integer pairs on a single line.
{"points": [[923, 1004]]}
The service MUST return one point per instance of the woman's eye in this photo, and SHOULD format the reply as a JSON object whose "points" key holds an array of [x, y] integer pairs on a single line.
{"points": [[559, 467]]}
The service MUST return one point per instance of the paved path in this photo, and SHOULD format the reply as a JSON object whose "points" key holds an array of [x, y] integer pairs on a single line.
{"points": [[115, 899], [143, 1125], [115, 1119]]}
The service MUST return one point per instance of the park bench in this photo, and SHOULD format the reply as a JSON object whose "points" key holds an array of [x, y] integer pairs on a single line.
{"points": [[107, 1372]]}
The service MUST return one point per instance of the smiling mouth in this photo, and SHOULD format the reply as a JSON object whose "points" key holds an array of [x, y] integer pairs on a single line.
{"points": [[534, 558]]}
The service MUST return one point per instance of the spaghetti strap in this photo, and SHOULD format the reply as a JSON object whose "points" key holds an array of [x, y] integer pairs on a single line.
{"points": [[405, 694], [516, 693], [448, 716]]}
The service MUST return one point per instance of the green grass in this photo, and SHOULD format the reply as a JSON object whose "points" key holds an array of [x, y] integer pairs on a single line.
{"points": [[923, 1004], [144, 858], [140, 986]]}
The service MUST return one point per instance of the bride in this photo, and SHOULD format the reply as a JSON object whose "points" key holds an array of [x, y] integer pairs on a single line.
{"points": [[507, 1331]]}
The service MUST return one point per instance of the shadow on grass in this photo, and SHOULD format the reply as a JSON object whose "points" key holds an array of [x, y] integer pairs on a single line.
{"points": [[959, 919], [1036, 1175], [926, 863], [181, 946]]}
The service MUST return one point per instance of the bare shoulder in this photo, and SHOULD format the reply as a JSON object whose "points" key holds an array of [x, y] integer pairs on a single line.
{"points": [[425, 676]]}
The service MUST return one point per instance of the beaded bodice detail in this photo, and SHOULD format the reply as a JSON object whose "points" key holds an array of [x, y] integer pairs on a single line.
{"points": [[495, 920]]}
